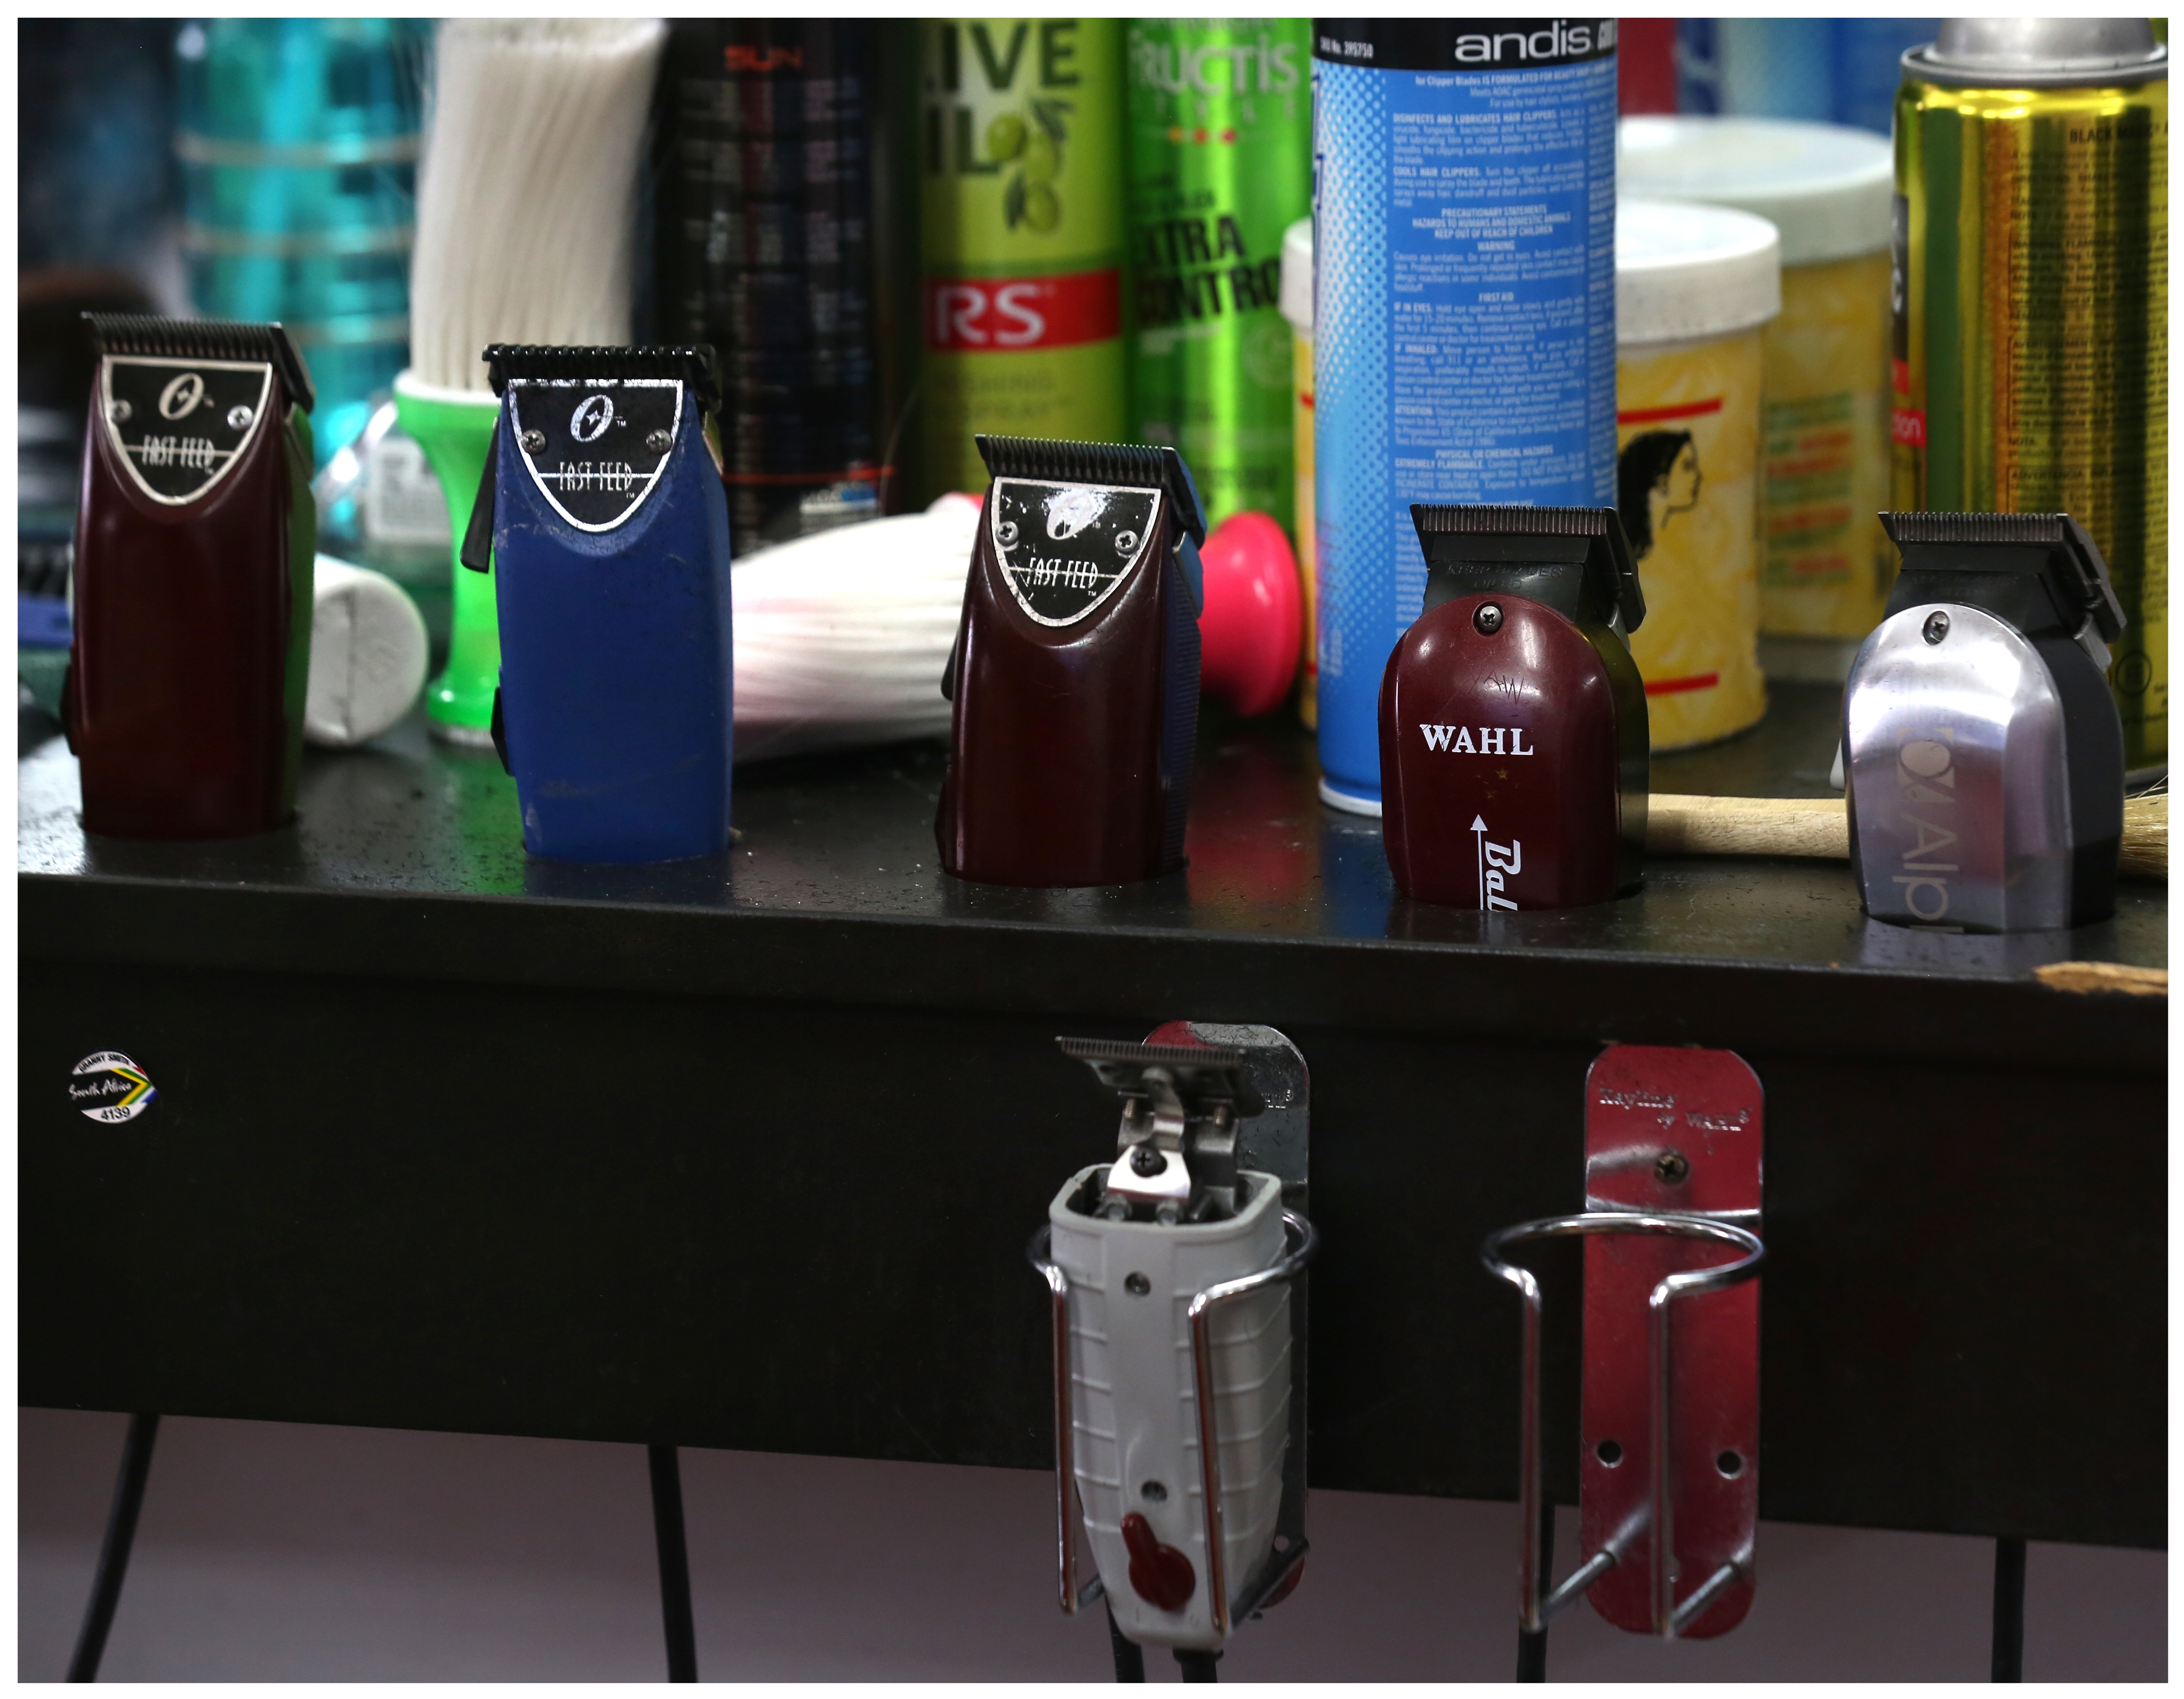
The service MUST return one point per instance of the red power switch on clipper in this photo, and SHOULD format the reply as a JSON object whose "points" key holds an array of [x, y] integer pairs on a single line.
{"points": [[1512, 718], [193, 548]]}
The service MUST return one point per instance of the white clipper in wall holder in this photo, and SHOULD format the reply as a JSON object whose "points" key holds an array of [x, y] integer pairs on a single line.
{"points": [[1178, 1345], [1669, 1471]]}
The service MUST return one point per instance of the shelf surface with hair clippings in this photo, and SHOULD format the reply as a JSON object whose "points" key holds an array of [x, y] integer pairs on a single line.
{"points": [[440, 1136]]}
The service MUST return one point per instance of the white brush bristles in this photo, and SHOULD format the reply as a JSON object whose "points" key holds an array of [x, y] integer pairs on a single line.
{"points": [[841, 639], [527, 195]]}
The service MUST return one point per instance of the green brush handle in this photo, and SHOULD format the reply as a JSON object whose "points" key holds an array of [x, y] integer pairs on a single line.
{"points": [[454, 428]]}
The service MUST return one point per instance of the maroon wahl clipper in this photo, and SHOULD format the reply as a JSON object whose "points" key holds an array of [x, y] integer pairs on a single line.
{"points": [[1512, 718], [1075, 672]]}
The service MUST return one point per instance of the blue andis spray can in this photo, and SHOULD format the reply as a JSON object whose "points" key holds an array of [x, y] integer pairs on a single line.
{"points": [[606, 524], [1464, 317]]}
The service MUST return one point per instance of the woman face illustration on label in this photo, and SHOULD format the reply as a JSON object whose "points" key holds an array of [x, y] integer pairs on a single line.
{"points": [[1657, 474]]}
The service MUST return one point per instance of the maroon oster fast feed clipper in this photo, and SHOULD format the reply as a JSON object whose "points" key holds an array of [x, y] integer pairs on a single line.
{"points": [[194, 539], [1512, 718], [1075, 672]]}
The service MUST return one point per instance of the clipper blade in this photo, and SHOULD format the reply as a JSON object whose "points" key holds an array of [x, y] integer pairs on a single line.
{"points": [[158, 338], [1609, 567], [1489, 520], [1131, 464], [2067, 543], [693, 364]]}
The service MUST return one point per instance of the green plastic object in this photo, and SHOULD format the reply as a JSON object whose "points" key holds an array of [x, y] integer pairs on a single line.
{"points": [[454, 428]]}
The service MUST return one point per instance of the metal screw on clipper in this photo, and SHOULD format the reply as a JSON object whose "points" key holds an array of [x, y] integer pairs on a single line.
{"points": [[534, 442], [119, 412], [660, 442], [1672, 1166], [1488, 619], [1937, 626]]}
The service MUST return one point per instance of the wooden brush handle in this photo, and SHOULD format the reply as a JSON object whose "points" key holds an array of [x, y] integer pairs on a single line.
{"points": [[1819, 826]]}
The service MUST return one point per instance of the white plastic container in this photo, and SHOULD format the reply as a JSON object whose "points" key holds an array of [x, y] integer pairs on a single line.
{"points": [[1693, 286], [369, 651], [1826, 567], [1134, 1402], [1297, 308]]}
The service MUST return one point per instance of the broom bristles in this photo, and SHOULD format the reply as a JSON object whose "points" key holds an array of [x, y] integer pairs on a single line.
{"points": [[527, 193]]}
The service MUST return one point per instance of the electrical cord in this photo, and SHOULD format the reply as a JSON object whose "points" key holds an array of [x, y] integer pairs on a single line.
{"points": [[674, 1563], [1199, 1666], [114, 1553], [1129, 1655], [2009, 1609], [1532, 1648]]}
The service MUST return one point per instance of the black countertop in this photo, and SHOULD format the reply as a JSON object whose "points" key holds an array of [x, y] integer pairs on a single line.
{"points": [[832, 893]]}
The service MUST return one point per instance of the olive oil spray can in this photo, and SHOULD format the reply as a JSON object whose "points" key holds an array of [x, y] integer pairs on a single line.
{"points": [[1022, 211]]}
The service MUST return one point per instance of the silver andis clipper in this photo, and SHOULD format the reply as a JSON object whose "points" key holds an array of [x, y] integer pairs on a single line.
{"points": [[1983, 753], [1179, 1352]]}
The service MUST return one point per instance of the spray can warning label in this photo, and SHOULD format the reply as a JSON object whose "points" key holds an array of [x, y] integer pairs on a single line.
{"points": [[1022, 228], [1464, 332], [1220, 159]]}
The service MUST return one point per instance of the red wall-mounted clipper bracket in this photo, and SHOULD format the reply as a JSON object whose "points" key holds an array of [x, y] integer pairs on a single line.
{"points": [[1668, 1478]]}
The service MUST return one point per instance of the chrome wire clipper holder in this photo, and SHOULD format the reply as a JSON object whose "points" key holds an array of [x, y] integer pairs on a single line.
{"points": [[1223, 1100], [1673, 1143]]}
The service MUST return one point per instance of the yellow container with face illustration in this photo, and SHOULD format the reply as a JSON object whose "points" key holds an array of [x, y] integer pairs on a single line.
{"points": [[1825, 566], [1693, 286]]}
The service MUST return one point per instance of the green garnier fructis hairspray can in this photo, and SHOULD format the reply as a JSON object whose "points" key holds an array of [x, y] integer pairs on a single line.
{"points": [[2032, 332], [1220, 165], [1022, 222]]}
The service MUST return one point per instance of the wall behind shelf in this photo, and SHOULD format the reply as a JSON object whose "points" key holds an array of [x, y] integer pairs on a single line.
{"points": [[272, 1551]]}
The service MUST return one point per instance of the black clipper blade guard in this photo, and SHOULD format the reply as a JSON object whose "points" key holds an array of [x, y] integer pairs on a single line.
{"points": [[195, 536], [1983, 752], [1175, 1272], [207, 339], [1074, 677], [1668, 1464], [1573, 560], [1513, 746], [695, 366]]}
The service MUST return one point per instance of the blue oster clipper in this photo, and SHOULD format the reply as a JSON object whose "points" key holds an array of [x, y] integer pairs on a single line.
{"points": [[602, 519]]}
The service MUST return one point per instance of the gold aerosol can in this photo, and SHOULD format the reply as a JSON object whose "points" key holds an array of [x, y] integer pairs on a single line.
{"points": [[2031, 296]]}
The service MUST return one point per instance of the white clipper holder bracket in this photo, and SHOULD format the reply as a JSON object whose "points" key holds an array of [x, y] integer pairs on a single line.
{"points": [[1669, 1471], [1179, 1438]]}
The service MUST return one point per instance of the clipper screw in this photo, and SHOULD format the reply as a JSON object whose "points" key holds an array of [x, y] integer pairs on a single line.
{"points": [[1136, 1285], [660, 442], [1146, 1160], [534, 442], [1937, 626], [119, 412], [1672, 1167], [239, 418], [1488, 619]]}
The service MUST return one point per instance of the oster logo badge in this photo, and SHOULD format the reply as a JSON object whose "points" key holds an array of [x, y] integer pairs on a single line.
{"points": [[1012, 313]]}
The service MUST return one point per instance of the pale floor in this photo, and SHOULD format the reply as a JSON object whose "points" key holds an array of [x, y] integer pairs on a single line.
{"points": [[276, 1552]]}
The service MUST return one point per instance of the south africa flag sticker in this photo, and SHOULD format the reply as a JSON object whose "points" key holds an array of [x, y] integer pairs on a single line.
{"points": [[106, 1086]]}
